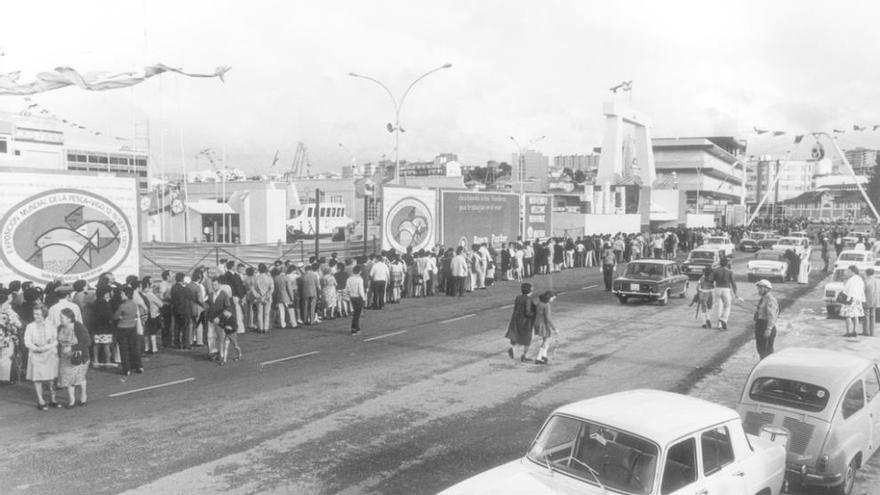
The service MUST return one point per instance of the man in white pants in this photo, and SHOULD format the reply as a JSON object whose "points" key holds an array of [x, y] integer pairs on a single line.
{"points": [[725, 291]]}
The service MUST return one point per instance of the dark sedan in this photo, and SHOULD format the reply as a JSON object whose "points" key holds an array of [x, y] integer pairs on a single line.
{"points": [[749, 245], [651, 280]]}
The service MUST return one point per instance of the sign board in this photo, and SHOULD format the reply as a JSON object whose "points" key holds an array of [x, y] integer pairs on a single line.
{"points": [[408, 218], [68, 227], [537, 215], [478, 217]]}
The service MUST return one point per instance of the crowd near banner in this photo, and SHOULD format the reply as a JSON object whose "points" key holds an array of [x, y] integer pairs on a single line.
{"points": [[476, 217], [68, 227], [536, 220], [408, 218]]}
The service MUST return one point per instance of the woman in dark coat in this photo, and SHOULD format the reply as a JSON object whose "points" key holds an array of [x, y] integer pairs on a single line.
{"points": [[505, 262], [519, 330]]}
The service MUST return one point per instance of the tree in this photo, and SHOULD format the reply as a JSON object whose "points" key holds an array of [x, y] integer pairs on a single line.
{"points": [[580, 176], [504, 168]]}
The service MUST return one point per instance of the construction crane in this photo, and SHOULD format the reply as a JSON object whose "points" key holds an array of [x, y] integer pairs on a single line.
{"points": [[300, 164]]}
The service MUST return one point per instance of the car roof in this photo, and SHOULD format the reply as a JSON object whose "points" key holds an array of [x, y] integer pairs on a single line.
{"points": [[656, 261], [830, 369], [654, 414], [855, 251]]}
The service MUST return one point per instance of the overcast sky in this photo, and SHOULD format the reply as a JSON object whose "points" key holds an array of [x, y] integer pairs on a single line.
{"points": [[521, 68]]}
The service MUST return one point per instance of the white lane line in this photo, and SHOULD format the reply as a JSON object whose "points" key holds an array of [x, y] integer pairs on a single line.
{"points": [[458, 318], [392, 334], [506, 307], [119, 394], [561, 293], [589, 287], [288, 358]]}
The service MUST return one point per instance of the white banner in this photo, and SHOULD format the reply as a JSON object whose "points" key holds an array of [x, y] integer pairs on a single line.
{"points": [[409, 218], [68, 227]]}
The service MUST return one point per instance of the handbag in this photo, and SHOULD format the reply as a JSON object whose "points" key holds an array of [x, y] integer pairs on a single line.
{"points": [[842, 298], [76, 358]]}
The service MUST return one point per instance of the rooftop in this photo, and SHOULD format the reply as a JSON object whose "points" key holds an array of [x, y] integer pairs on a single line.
{"points": [[829, 369], [671, 417]]}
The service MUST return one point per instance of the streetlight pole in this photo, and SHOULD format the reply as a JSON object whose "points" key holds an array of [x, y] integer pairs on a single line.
{"points": [[521, 162], [398, 104]]}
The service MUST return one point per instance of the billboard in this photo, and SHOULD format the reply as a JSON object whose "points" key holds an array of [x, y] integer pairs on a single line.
{"points": [[537, 216], [475, 218], [68, 227], [409, 218]]}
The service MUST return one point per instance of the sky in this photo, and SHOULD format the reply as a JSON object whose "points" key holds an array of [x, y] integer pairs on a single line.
{"points": [[519, 68]]}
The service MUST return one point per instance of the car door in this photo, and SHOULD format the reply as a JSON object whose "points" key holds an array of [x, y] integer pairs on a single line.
{"points": [[680, 279], [680, 470], [872, 394], [722, 473], [857, 422]]}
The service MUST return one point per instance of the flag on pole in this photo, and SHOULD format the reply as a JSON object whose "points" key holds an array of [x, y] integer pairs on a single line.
{"points": [[623, 86], [859, 127], [798, 138], [876, 126], [839, 131]]}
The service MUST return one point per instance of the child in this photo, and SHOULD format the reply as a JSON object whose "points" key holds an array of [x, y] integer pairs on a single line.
{"points": [[227, 322]]}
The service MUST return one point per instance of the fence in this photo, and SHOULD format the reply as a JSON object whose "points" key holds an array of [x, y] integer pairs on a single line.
{"points": [[184, 257]]}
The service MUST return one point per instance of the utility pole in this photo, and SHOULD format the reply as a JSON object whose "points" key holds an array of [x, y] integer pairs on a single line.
{"points": [[317, 222]]}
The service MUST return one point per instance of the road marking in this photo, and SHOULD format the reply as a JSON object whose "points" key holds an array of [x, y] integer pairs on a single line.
{"points": [[392, 334], [561, 293], [119, 394], [506, 307], [288, 358], [458, 318], [589, 287]]}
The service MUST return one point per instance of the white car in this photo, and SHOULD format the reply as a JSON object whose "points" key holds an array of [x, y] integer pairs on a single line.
{"points": [[767, 264], [798, 244], [835, 287], [639, 442], [720, 242], [861, 259]]}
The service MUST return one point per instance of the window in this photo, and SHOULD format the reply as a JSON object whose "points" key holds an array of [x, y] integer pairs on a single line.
{"points": [[854, 400], [872, 384], [102, 159], [70, 156], [717, 450], [789, 393], [114, 160], [81, 158], [680, 469], [336, 198], [141, 162]]}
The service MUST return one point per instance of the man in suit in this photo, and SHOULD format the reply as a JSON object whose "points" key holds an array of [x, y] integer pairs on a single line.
{"points": [[309, 295], [181, 309], [234, 280], [218, 301], [198, 296]]}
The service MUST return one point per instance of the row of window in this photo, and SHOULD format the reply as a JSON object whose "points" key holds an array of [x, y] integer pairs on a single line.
{"points": [[121, 170], [106, 159], [325, 212]]}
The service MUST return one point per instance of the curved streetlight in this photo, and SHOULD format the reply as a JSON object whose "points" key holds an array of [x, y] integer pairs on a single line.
{"points": [[398, 104], [521, 163]]}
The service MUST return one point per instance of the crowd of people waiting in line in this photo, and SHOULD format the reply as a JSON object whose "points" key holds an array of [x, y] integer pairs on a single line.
{"points": [[53, 335]]}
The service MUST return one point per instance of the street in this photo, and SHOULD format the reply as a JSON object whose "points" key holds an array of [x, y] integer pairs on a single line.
{"points": [[424, 398]]}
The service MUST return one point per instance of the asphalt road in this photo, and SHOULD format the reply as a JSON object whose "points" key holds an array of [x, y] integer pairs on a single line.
{"points": [[424, 398]]}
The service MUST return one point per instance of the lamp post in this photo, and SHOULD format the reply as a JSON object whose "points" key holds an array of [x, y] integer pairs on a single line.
{"points": [[521, 162], [398, 104]]}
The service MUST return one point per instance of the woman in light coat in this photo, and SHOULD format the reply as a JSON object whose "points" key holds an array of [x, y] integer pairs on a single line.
{"points": [[852, 310], [42, 368]]}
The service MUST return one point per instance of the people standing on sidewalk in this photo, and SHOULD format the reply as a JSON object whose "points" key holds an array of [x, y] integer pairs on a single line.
{"points": [[41, 341], [74, 343], [852, 310], [725, 291], [544, 326], [355, 288], [458, 265], [126, 318], [522, 322], [379, 275], [872, 302], [766, 315], [609, 263]]}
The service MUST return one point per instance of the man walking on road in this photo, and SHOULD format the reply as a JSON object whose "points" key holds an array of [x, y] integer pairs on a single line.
{"points": [[609, 262], [765, 319], [872, 302], [725, 291]]}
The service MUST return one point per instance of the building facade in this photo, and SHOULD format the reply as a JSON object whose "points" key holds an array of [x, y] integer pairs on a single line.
{"points": [[863, 160], [795, 178]]}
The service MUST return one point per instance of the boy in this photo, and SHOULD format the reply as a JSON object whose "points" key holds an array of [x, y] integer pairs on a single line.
{"points": [[226, 321]]}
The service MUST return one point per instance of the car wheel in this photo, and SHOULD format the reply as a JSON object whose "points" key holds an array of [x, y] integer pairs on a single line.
{"points": [[849, 480], [621, 299], [665, 299]]}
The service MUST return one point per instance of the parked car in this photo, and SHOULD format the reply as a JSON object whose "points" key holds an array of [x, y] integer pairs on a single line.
{"points": [[651, 280], [771, 265], [835, 287], [749, 245], [800, 233], [862, 259], [827, 402], [769, 241], [721, 242], [698, 259], [639, 442], [798, 244]]}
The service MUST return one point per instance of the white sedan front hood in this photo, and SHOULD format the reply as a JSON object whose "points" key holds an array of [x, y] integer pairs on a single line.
{"points": [[521, 477]]}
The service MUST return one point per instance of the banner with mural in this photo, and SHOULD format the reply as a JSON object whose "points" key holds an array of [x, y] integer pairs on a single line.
{"points": [[409, 218], [476, 217], [538, 212], [67, 227]]}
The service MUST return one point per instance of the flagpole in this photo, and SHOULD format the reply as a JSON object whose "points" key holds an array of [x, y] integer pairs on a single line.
{"points": [[185, 193], [225, 229]]}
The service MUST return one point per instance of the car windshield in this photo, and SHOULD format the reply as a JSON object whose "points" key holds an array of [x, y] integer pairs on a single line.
{"points": [[717, 240], [851, 257], [758, 236], [644, 270], [702, 255], [841, 275], [789, 393], [596, 453]]}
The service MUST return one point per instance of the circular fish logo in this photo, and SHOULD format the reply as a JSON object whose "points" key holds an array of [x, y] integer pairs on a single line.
{"points": [[409, 224], [65, 234]]}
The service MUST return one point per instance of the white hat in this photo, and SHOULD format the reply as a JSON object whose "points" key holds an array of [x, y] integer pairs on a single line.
{"points": [[764, 283]]}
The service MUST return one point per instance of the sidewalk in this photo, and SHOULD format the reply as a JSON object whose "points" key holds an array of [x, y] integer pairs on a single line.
{"points": [[803, 324]]}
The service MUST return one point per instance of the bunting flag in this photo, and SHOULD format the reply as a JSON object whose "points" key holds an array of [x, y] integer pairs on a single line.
{"points": [[623, 86], [876, 126], [838, 131], [798, 138], [760, 131], [778, 133], [34, 106], [859, 127], [98, 81]]}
